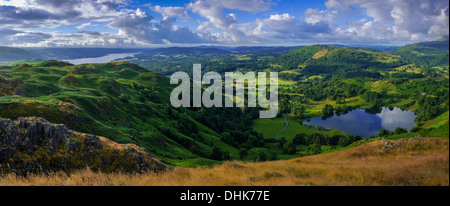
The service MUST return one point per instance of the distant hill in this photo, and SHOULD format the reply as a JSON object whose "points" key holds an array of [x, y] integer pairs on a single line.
{"points": [[8, 54], [434, 53], [343, 61], [181, 52], [442, 43], [259, 50]]}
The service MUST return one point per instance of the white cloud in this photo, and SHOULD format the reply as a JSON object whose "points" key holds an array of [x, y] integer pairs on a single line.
{"points": [[141, 27], [213, 10], [172, 11], [343, 21], [82, 26], [52, 13], [401, 20], [282, 17], [314, 16], [134, 26], [81, 39]]}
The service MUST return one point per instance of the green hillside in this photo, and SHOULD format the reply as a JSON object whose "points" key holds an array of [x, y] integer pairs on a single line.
{"points": [[120, 101], [337, 61], [434, 53]]}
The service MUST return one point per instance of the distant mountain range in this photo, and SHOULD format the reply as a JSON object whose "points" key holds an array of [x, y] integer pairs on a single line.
{"points": [[9, 54]]}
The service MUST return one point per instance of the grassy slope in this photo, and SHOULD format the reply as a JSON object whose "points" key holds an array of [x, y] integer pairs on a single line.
{"points": [[271, 127], [418, 162], [86, 98]]}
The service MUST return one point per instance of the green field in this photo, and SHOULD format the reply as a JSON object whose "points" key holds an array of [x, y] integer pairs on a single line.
{"points": [[271, 127]]}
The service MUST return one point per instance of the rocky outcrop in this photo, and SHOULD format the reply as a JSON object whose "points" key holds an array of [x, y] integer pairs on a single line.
{"points": [[392, 145], [11, 87], [34, 145]]}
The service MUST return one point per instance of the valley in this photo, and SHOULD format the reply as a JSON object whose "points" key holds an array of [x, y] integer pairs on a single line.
{"points": [[127, 101]]}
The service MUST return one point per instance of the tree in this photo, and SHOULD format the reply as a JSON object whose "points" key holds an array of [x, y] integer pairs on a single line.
{"points": [[384, 133], [281, 142], [372, 98], [334, 140], [328, 110], [216, 154], [227, 138], [289, 148], [314, 149], [261, 156], [242, 153], [299, 139], [399, 130], [415, 129], [226, 155]]}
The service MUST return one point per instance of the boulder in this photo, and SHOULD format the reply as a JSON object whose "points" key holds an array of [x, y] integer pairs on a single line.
{"points": [[34, 145]]}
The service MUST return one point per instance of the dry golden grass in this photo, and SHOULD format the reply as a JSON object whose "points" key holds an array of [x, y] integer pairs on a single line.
{"points": [[419, 162], [320, 54]]}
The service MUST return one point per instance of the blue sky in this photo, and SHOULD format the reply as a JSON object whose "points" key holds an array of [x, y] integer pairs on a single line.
{"points": [[138, 23]]}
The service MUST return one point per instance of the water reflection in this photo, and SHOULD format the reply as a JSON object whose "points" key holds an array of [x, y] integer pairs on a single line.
{"points": [[397, 118], [100, 60], [367, 123]]}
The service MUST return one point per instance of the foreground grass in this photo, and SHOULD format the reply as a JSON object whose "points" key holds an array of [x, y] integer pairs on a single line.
{"points": [[414, 163]]}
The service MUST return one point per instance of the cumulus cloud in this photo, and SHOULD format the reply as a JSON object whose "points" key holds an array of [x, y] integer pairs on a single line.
{"points": [[284, 28], [80, 39], [52, 13], [9, 36], [172, 11], [277, 28], [213, 10], [342, 21], [142, 28], [134, 26], [314, 16], [401, 20]]}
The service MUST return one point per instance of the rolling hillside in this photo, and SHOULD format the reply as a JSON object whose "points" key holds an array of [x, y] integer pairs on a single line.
{"points": [[337, 61], [434, 53], [125, 103]]}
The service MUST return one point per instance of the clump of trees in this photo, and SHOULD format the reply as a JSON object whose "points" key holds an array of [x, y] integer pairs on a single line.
{"points": [[386, 133], [319, 139], [429, 108], [314, 142], [328, 110], [372, 98]]}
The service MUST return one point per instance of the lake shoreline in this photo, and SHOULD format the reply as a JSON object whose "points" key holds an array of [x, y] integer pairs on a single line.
{"points": [[100, 60], [364, 122]]}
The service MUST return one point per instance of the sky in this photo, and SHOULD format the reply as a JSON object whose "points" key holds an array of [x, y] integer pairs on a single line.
{"points": [[138, 23]]}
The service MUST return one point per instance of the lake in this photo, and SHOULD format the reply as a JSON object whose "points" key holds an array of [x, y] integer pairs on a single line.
{"points": [[365, 124], [100, 60]]}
